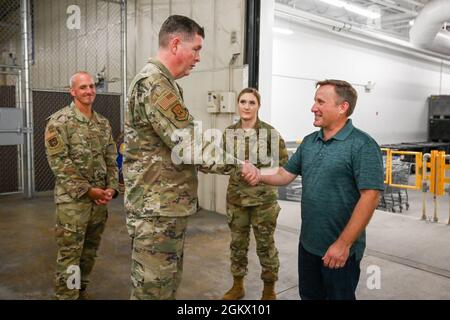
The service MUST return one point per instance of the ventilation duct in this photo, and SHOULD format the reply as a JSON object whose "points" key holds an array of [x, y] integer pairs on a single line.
{"points": [[426, 31], [349, 31]]}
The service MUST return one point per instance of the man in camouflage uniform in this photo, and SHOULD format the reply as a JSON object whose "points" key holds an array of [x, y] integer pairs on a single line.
{"points": [[159, 193], [82, 154], [253, 207]]}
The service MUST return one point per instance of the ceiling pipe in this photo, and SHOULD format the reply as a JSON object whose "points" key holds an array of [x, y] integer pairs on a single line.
{"points": [[415, 3], [394, 6], [426, 31], [358, 34]]}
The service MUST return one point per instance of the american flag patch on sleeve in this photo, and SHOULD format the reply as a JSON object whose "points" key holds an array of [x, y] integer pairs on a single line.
{"points": [[167, 100]]}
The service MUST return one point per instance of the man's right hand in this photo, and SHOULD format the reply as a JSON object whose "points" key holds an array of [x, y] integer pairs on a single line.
{"points": [[250, 173]]}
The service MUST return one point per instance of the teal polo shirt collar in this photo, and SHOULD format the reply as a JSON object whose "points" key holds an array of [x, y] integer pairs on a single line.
{"points": [[341, 135]]}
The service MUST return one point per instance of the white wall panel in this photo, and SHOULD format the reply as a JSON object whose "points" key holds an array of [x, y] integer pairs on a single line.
{"points": [[203, 12], [181, 7], [265, 59], [445, 85], [161, 10], [228, 19], [396, 109]]}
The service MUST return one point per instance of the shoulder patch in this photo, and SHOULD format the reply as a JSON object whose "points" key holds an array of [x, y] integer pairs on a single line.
{"points": [[53, 141], [60, 115], [167, 100], [180, 112]]}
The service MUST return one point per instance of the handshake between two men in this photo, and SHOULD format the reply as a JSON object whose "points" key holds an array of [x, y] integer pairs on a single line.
{"points": [[272, 176], [250, 173]]}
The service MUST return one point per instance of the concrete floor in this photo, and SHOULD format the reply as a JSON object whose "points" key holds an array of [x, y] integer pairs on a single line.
{"points": [[411, 256]]}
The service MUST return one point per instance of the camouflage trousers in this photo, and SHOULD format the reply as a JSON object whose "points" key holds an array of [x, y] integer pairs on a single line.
{"points": [[263, 220], [157, 256], [79, 227]]}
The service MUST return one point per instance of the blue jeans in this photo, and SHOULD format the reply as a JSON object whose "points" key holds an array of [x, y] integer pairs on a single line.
{"points": [[317, 282]]}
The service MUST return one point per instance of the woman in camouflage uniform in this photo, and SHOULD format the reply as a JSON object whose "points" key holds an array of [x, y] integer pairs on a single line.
{"points": [[255, 207]]}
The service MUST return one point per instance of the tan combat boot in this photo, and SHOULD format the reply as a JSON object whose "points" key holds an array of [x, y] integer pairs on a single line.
{"points": [[237, 291], [269, 291]]}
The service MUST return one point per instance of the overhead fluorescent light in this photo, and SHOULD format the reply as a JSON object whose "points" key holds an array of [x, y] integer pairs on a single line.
{"points": [[282, 30], [353, 8]]}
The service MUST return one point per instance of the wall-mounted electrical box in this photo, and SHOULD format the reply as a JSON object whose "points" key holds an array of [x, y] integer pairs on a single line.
{"points": [[221, 101], [213, 102], [228, 102]]}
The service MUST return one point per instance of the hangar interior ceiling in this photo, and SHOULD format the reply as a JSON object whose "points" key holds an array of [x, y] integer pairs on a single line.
{"points": [[395, 15]]}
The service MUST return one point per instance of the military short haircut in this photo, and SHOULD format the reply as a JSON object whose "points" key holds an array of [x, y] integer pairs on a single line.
{"points": [[252, 91], [344, 90], [180, 25], [72, 78]]}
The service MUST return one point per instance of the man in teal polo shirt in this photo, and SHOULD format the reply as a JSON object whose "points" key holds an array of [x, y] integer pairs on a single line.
{"points": [[342, 176]]}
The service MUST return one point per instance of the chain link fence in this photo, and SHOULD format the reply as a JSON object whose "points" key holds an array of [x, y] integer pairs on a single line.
{"points": [[64, 37], [69, 36], [10, 59], [10, 46]]}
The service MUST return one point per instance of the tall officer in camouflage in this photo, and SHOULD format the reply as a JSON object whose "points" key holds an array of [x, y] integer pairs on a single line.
{"points": [[82, 154], [159, 193], [254, 207]]}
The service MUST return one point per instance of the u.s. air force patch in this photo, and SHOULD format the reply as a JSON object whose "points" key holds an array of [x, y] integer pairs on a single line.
{"points": [[172, 107], [53, 141], [180, 112]]}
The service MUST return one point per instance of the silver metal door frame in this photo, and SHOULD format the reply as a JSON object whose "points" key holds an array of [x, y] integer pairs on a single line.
{"points": [[16, 71]]}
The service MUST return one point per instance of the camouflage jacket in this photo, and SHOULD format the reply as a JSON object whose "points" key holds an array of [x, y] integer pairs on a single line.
{"points": [[154, 184], [81, 153], [255, 146]]}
